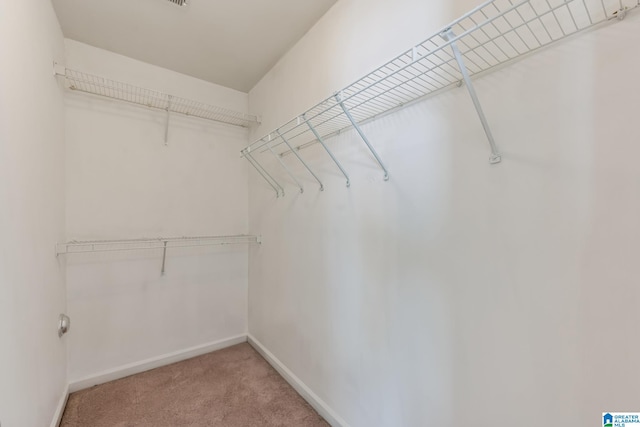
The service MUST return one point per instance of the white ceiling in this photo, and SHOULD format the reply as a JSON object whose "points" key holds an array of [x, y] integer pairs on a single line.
{"points": [[229, 42]]}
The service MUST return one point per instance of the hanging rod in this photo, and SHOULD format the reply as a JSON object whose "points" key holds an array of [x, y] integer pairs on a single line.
{"points": [[96, 85], [495, 33], [164, 243]]}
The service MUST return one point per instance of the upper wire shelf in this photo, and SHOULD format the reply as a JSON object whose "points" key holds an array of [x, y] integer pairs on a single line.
{"points": [[494, 33], [96, 85]]}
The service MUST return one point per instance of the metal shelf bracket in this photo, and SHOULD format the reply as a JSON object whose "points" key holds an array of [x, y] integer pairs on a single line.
{"points": [[338, 96], [284, 166], [321, 141], [166, 127], [164, 257], [450, 36], [295, 152], [262, 171]]}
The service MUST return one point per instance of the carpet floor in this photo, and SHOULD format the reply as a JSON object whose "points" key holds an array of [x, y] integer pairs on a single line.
{"points": [[234, 387]]}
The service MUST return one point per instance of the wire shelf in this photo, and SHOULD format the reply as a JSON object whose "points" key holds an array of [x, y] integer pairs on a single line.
{"points": [[496, 32], [96, 85], [75, 246]]}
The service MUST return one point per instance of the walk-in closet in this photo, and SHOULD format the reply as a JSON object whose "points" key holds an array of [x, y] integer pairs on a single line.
{"points": [[346, 213]]}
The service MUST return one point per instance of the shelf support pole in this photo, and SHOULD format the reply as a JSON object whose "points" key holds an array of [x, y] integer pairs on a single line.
{"points": [[295, 152], [284, 166], [450, 36], [338, 97], [262, 173], [166, 126], [164, 256], [321, 141]]}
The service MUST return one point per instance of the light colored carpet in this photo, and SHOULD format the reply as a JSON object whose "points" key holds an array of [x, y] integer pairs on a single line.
{"points": [[234, 387]]}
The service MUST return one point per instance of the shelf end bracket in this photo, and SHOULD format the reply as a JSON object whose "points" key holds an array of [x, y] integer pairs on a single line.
{"points": [[59, 70], [450, 36]]}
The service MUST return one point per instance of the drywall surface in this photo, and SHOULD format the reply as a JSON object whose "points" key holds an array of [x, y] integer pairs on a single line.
{"points": [[32, 287], [123, 182], [458, 293]]}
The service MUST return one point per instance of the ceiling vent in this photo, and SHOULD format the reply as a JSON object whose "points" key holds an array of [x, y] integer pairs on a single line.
{"points": [[179, 2]]}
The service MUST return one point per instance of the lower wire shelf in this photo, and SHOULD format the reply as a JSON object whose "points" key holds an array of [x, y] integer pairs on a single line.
{"points": [[163, 243]]}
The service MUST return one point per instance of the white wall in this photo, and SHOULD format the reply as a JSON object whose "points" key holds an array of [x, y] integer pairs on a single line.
{"points": [[32, 289], [123, 182], [458, 293]]}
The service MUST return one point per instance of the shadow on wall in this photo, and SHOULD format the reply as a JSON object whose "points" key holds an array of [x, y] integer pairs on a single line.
{"points": [[608, 294]]}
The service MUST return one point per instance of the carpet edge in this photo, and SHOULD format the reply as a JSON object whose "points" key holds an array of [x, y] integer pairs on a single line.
{"points": [[303, 390]]}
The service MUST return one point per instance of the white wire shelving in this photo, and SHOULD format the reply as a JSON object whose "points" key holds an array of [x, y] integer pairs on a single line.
{"points": [[113, 89], [495, 33], [160, 243]]}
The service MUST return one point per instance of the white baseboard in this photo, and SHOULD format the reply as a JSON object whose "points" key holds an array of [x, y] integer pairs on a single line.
{"points": [[57, 416], [155, 362], [318, 404]]}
